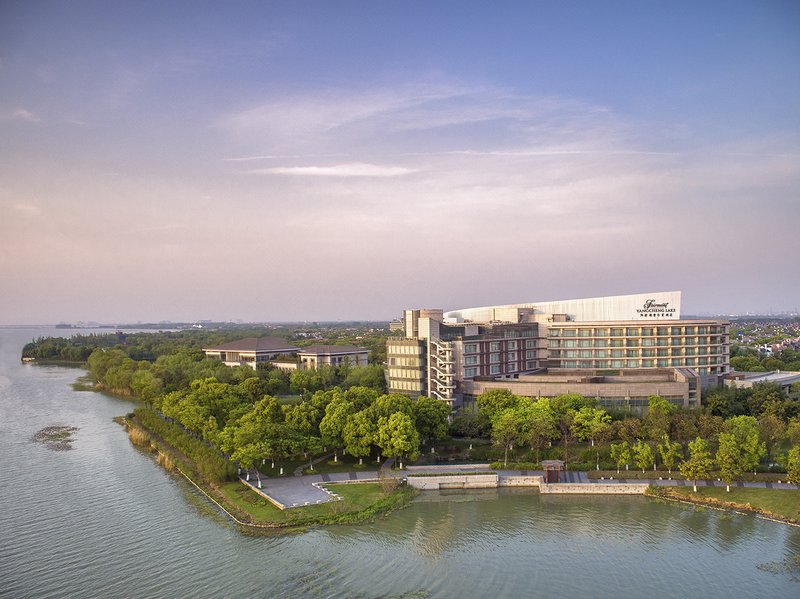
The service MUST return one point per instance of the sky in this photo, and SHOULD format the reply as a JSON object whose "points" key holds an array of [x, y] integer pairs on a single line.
{"points": [[276, 161]]}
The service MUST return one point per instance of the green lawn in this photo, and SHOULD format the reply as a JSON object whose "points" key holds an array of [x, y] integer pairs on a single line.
{"points": [[784, 503], [355, 498]]}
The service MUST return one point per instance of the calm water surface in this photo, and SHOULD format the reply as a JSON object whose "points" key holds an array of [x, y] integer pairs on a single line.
{"points": [[102, 520]]}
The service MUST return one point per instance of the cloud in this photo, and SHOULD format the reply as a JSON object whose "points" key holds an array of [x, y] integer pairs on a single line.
{"points": [[22, 114], [339, 170]]}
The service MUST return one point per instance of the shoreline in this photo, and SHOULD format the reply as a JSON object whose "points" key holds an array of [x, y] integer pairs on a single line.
{"points": [[668, 494], [396, 499]]}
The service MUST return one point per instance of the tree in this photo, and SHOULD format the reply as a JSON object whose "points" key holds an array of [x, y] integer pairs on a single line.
{"points": [[771, 430], [592, 423], [331, 427], [621, 454], [793, 465], [658, 416], [430, 418], [397, 437], [302, 417], [728, 459], [746, 434], [538, 423], [494, 401], [359, 435], [506, 430], [670, 452], [699, 463], [565, 407], [642, 454]]}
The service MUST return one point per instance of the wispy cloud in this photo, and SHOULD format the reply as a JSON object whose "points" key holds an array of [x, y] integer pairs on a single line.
{"points": [[339, 170], [23, 114]]}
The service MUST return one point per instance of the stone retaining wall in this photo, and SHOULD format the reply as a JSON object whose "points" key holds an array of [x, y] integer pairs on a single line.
{"points": [[519, 481], [453, 481], [592, 489]]}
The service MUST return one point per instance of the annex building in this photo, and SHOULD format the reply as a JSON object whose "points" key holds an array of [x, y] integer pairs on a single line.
{"points": [[285, 356], [619, 349]]}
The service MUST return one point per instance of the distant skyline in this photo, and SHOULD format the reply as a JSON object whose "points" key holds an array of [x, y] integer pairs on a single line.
{"points": [[316, 161]]}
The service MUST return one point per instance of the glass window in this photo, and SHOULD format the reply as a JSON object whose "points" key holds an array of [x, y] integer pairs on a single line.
{"points": [[569, 332], [570, 364], [511, 367], [633, 363], [494, 346], [470, 348], [601, 332], [512, 345], [663, 352], [647, 332], [530, 365], [617, 353], [530, 354], [530, 343], [617, 363], [632, 353], [616, 332], [585, 353], [676, 351], [617, 342], [676, 361], [585, 363], [662, 363], [648, 353], [470, 372], [647, 363], [495, 369], [569, 343], [554, 333], [631, 343], [471, 360], [601, 353], [648, 342], [631, 332], [675, 331], [689, 331], [494, 357], [662, 331], [584, 343], [512, 355], [601, 342]]}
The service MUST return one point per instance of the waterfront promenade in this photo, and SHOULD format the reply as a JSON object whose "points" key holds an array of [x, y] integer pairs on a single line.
{"points": [[308, 489]]}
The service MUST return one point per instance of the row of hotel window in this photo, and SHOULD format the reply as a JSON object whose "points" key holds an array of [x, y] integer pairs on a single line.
{"points": [[636, 331], [662, 342], [634, 353], [511, 356], [603, 364], [645, 363], [471, 348], [498, 369]]}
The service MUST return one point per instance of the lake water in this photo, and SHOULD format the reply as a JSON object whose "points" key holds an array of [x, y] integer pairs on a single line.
{"points": [[102, 520]]}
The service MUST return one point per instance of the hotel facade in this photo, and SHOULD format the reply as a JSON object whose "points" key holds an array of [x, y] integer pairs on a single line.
{"points": [[597, 346]]}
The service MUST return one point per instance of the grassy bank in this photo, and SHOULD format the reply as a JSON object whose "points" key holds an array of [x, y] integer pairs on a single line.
{"points": [[780, 504], [360, 502]]}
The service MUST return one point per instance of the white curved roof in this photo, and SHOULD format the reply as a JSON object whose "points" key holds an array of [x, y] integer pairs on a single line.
{"points": [[660, 305]]}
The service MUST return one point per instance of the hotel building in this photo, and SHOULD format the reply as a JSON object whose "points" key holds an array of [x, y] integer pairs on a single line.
{"points": [[597, 347]]}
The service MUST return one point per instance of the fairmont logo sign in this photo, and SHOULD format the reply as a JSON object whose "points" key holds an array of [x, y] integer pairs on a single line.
{"points": [[653, 309]]}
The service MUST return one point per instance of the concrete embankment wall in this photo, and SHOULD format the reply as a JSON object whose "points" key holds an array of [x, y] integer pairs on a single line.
{"points": [[519, 481], [453, 481], [592, 489], [492, 481]]}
